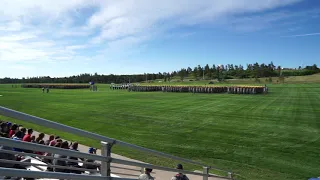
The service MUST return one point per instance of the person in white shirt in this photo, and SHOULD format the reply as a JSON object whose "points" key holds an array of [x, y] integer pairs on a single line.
{"points": [[146, 175]]}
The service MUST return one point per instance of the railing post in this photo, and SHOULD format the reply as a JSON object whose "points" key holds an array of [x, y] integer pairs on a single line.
{"points": [[142, 170], [230, 175], [105, 152], [205, 173]]}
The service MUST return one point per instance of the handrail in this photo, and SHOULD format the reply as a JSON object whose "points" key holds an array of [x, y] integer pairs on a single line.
{"points": [[42, 174], [43, 122], [44, 148]]}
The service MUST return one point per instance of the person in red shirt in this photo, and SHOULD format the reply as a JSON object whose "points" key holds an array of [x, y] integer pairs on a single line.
{"points": [[14, 129], [27, 137]]}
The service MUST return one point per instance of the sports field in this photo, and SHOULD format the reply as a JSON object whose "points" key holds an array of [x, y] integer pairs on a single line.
{"points": [[274, 136]]}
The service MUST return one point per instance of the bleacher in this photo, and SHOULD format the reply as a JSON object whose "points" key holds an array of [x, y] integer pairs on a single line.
{"points": [[27, 163]]}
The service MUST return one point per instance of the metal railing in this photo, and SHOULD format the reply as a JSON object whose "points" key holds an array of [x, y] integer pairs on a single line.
{"points": [[105, 158]]}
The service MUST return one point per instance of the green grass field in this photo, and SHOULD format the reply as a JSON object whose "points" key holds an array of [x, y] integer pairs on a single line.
{"points": [[274, 136]]}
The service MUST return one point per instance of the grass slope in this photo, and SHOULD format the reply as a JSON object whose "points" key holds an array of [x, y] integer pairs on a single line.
{"points": [[315, 78], [274, 136]]}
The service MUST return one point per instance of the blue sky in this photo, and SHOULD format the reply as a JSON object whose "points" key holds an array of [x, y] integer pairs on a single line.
{"points": [[63, 38]]}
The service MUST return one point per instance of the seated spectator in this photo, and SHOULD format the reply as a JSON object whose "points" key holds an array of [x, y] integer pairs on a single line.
{"points": [[8, 156], [27, 137], [40, 137], [74, 146], [179, 176], [9, 125], [3, 130], [54, 141], [20, 134], [146, 175], [49, 161], [57, 162], [33, 139], [17, 149], [74, 164], [47, 142], [13, 130], [91, 166], [41, 153]]}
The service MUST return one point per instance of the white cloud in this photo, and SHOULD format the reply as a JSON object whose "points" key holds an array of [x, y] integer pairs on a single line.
{"points": [[10, 26], [127, 17], [76, 47], [16, 37], [302, 35], [46, 30]]}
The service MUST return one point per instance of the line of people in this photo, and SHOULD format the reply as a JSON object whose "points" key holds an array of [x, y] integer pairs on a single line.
{"points": [[203, 89]]}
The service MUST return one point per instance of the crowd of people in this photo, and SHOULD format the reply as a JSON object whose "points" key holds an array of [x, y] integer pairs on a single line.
{"points": [[20, 133], [203, 89]]}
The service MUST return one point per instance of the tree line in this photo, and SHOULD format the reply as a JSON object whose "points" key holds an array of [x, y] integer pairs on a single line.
{"points": [[218, 72]]}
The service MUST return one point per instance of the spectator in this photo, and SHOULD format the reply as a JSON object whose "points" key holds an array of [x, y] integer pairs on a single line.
{"points": [[91, 166], [51, 137], [74, 147], [53, 142], [13, 130], [57, 162], [33, 139], [41, 142], [50, 161], [3, 129], [17, 149], [27, 137], [40, 137], [9, 124], [20, 134], [180, 176], [146, 175], [8, 156]]}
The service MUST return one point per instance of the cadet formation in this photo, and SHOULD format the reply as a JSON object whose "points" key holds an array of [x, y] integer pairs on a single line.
{"points": [[198, 89]]}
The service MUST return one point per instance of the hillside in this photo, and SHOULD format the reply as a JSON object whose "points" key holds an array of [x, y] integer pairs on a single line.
{"points": [[315, 78]]}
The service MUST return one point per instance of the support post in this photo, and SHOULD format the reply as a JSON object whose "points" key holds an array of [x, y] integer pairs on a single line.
{"points": [[142, 170], [106, 152], [230, 175], [205, 173]]}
